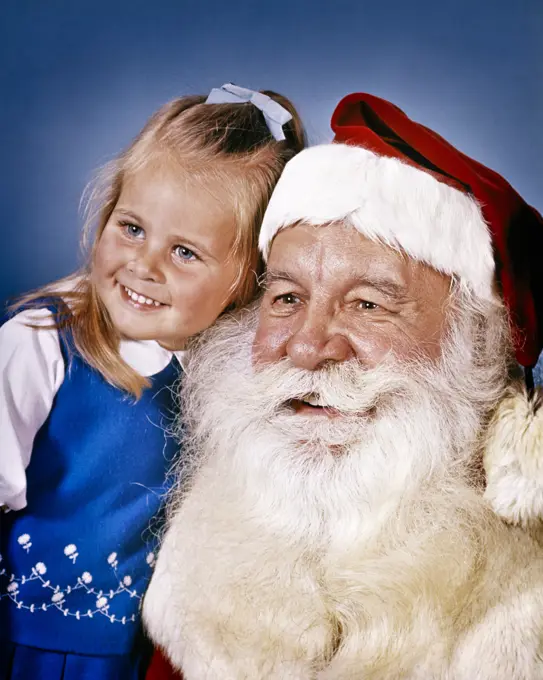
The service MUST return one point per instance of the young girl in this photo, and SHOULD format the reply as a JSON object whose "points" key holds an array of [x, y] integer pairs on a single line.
{"points": [[87, 366]]}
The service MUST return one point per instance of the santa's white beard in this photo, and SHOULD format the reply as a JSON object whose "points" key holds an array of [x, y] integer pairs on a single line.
{"points": [[333, 548], [401, 427]]}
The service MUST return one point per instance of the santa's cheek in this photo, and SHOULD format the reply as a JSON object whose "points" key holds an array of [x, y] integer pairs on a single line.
{"points": [[404, 339], [372, 353], [270, 342], [415, 340], [373, 345]]}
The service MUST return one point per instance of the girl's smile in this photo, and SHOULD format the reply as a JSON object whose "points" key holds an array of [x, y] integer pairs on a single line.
{"points": [[138, 301]]}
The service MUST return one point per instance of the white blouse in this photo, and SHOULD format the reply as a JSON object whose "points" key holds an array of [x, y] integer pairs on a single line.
{"points": [[32, 371]]}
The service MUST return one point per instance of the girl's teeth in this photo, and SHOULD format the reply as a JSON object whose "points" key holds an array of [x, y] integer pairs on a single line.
{"points": [[141, 299]]}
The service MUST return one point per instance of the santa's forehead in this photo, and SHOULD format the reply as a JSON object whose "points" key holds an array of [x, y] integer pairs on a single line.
{"points": [[388, 201], [338, 250]]}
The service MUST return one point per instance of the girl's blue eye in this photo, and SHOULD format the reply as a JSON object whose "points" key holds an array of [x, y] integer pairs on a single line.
{"points": [[133, 230], [184, 253]]}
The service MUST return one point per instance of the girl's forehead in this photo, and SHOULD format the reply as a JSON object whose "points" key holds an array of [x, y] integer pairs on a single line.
{"points": [[152, 187], [179, 208]]}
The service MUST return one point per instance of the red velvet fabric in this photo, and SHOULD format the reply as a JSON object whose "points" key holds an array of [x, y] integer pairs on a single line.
{"points": [[160, 669], [516, 228]]}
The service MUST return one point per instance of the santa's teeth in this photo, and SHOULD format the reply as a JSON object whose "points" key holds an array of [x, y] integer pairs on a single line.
{"points": [[313, 400]]}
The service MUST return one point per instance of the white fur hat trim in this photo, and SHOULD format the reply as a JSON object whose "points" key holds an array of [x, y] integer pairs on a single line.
{"points": [[388, 201]]}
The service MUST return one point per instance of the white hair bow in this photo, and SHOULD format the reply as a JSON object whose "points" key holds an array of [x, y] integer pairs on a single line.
{"points": [[275, 115]]}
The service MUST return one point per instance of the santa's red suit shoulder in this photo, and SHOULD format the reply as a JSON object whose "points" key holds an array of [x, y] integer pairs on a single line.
{"points": [[160, 669]]}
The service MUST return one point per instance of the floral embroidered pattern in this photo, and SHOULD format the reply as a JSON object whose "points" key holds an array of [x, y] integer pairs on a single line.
{"points": [[100, 601]]}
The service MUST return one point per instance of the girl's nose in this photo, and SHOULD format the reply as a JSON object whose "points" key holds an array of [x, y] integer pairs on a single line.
{"points": [[146, 266]]}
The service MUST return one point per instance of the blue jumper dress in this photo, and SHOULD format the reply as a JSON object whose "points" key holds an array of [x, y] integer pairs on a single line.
{"points": [[75, 563]]}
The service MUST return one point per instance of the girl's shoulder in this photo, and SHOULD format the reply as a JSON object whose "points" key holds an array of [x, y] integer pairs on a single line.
{"points": [[30, 332], [42, 308], [25, 322], [32, 368]]}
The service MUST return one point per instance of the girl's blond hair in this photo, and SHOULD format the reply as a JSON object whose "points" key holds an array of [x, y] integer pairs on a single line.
{"points": [[227, 147]]}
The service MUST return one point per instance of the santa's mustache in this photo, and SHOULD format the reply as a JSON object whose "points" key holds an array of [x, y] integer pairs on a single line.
{"points": [[348, 389], [225, 391], [223, 385]]}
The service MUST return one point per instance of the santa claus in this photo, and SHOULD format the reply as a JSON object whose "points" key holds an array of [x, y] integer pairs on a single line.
{"points": [[365, 485]]}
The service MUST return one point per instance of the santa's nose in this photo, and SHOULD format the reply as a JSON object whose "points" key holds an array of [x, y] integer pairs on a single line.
{"points": [[317, 342]]}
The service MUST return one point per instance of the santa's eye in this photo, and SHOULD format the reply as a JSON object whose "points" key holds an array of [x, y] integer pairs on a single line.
{"points": [[367, 305], [286, 299]]}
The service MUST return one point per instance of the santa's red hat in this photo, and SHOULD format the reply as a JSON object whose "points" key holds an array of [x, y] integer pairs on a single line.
{"points": [[399, 182], [403, 184]]}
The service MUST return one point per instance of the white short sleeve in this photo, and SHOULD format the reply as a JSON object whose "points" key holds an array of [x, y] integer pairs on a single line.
{"points": [[31, 370]]}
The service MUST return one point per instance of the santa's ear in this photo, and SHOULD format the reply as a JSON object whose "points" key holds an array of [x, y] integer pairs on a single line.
{"points": [[513, 457]]}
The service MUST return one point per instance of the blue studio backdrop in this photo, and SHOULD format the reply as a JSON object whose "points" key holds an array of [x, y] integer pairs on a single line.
{"points": [[79, 79]]}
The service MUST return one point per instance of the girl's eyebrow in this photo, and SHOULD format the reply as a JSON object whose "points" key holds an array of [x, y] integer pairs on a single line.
{"points": [[129, 213]]}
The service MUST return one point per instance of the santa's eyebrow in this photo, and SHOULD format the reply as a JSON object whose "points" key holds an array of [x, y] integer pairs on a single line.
{"points": [[275, 276], [383, 284]]}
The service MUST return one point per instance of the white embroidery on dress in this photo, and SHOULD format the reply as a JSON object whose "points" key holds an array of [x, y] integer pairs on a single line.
{"points": [[101, 601], [24, 541], [71, 552]]}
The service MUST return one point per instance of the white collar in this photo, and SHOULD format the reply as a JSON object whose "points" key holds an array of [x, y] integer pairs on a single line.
{"points": [[147, 357]]}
